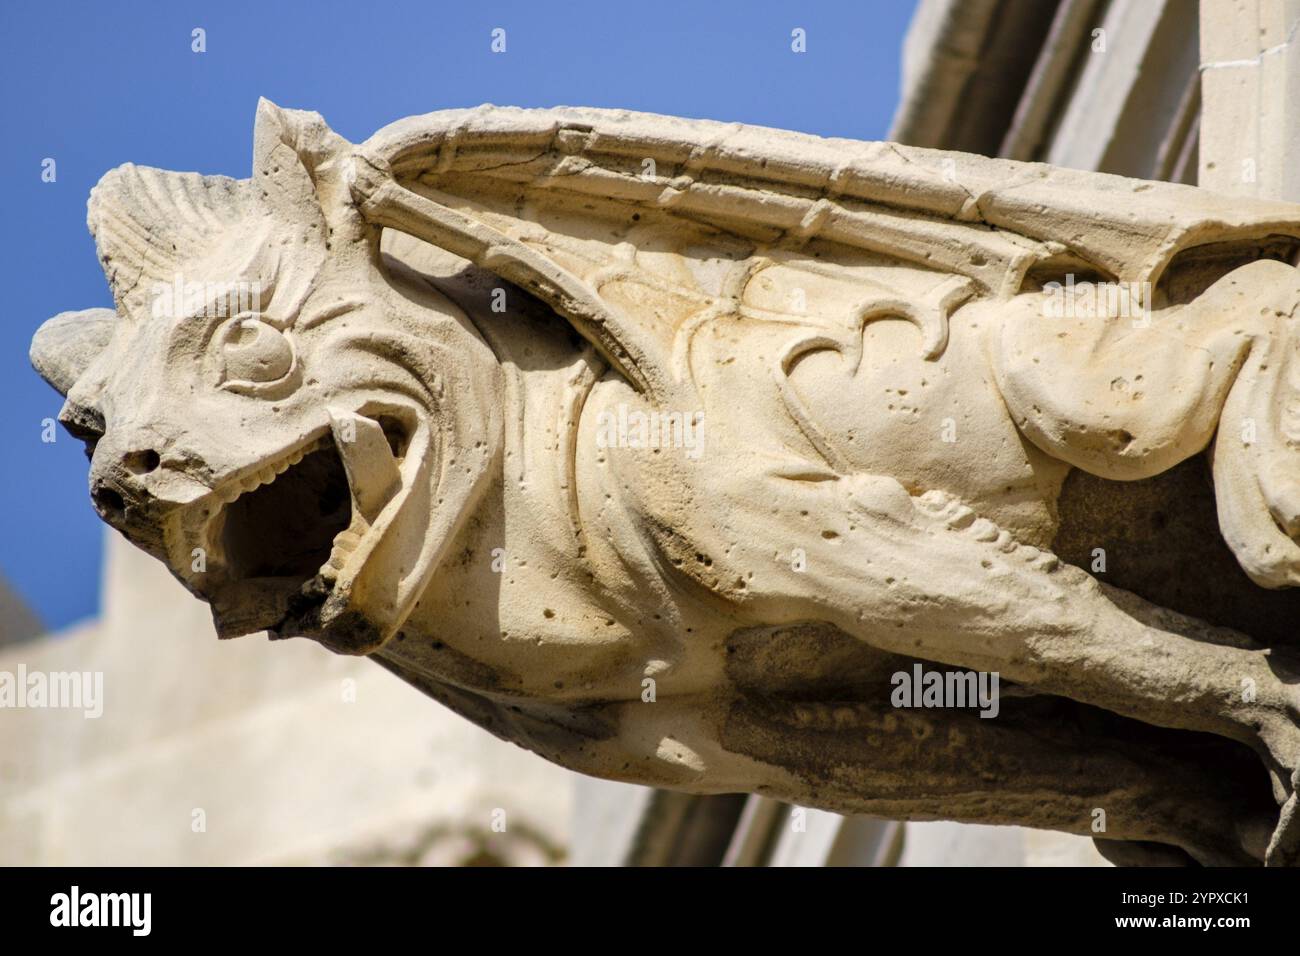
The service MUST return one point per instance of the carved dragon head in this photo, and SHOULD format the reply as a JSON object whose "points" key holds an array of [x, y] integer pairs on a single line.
{"points": [[271, 409]]}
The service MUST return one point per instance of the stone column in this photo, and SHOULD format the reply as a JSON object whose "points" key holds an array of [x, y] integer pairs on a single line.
{"points": [[1250, 89]]}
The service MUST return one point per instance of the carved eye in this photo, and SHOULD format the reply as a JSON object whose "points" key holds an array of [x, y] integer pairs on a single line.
{"points": [[254, 352]]}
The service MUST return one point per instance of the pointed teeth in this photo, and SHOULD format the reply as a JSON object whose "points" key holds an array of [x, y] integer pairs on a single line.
{"points": [[347, 541], [267, 473], [258, 478], [304, 451]]}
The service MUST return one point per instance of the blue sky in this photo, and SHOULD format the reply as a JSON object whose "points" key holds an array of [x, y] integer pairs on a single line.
{"points": [[93, 85]]}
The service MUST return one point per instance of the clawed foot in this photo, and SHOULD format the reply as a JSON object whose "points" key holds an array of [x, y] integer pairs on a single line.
{"points": [[1257, 492], [1256, 452], [1284, 756], [1284, 844]]}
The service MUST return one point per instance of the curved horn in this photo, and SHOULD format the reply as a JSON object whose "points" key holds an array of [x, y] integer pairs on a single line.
{"points": [[64, 346]]}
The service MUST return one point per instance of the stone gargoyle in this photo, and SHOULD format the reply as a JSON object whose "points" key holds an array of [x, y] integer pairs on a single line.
{"points": [[661, 447]]}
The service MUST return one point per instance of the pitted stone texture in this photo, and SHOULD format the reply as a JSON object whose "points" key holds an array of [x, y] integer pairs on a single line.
{"points": [[661, 447]]}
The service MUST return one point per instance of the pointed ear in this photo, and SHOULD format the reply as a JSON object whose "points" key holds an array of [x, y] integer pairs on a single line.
{"points": [[64, 346], [278, 172], [288, 148]]}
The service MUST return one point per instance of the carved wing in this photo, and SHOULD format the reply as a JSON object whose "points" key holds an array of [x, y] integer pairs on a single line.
{"points": [[639, 228]]}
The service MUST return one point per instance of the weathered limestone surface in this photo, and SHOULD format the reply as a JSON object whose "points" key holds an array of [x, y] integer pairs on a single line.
{"points": [[661, 447]]}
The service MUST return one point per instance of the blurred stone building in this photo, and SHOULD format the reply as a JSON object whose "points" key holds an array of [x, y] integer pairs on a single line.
{"points": [[212, 752]]}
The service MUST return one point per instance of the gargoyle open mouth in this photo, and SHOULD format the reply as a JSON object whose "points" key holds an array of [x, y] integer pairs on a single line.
{"points": [[277, 538]]}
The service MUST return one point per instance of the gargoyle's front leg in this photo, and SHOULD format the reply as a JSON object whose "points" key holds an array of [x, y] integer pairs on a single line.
{"points": [[924, 577]]}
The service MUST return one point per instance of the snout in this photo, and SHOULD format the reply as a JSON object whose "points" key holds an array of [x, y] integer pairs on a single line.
{"points": [[120, 491], [134, 488]]}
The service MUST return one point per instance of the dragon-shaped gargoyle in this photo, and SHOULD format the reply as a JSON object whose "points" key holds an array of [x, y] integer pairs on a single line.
{"points": [[664, 448]]}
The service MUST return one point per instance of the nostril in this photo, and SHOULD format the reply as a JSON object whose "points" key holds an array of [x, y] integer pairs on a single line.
{"points": [[109, 501], [82, 422], [141, 462]]}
